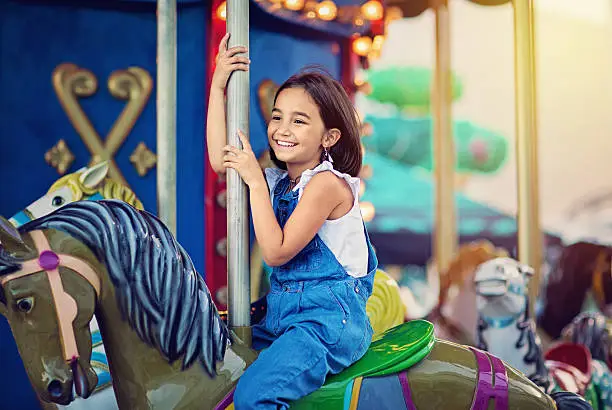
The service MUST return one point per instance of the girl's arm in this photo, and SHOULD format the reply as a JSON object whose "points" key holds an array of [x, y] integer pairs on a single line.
{"points": [[227, 62], [324, 193]]}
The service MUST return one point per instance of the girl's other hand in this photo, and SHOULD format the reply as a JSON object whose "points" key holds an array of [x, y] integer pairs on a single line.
{"points": [[228, 61], [244, 161]]}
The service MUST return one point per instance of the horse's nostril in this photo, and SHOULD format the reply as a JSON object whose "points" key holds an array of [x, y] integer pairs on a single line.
{"points": [[55, 389]]}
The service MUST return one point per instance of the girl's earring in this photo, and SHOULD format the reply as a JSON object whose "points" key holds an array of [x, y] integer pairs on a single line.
{"points": [[328, 155]]}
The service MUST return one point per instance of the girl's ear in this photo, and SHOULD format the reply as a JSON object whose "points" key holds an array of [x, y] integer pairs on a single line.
{"points": [[331, 137]]}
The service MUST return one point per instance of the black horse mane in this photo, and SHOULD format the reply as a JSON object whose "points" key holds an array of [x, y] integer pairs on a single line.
{"points": [[158, 289], [534, 354]]}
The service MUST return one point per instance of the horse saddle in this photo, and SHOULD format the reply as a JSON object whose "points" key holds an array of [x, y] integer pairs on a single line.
{"points": [[570, 366], [392, 351]]}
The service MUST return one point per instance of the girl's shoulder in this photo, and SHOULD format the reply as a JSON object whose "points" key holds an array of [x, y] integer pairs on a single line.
{"points": [[326, 166]]}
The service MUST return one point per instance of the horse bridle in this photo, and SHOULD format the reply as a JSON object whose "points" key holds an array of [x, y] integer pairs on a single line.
{"points": [[65, 305]]}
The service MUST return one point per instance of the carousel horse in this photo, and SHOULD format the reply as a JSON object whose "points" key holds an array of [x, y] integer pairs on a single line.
{"points": [[456, 316], [580, 281], [505, 327], [169, 348], [91, 184], [506, 330], [591, 330], [384, 307]]}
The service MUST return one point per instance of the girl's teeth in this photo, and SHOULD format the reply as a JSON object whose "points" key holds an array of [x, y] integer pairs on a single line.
{"points": [[285, 144]]}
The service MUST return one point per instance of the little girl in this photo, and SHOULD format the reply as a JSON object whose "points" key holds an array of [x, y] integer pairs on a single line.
{"points": [[308, 224]]}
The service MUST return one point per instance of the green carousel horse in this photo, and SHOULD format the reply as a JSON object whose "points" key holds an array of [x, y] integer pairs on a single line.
{"points": [[167, 346]]}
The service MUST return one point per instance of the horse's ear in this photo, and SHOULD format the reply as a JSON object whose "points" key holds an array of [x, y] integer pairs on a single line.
{"points": [[10, 239], [93, 176]]}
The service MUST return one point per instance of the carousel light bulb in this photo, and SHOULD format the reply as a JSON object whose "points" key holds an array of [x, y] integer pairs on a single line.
{"points": [[377, 43], [327, 10], [367, 211], [294, 5], [393, 13], [222, 11], [362, 46], [372, 10]]}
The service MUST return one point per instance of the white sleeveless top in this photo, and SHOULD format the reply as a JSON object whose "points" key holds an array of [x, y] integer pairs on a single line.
{"points": [[344, 236]]}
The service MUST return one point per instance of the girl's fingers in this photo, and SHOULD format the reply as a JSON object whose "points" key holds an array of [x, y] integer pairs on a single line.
{"points": [[236, 50], [245, 141], [239, 59], [229, 148], [223, 43]]}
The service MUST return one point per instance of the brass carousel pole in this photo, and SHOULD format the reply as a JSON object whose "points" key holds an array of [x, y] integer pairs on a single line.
{"points": [[445, 235], [166, 112], [239, 293], [528, 219]]}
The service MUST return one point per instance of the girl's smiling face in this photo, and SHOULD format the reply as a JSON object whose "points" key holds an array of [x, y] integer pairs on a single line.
{"points": [[296, 129]]}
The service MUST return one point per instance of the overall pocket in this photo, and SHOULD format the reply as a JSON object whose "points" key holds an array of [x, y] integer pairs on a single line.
{"points": [[324, 312]]}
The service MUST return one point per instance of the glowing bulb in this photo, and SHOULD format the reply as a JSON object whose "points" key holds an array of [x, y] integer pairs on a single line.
{"points": [[294, 5], [362, 46], [377, 43], [372, 10], [327, 10], [222, 11], [367, 211], [393, 13]]}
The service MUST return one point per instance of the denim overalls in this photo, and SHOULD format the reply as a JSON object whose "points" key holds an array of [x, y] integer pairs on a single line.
{"points": [[316, 321]]}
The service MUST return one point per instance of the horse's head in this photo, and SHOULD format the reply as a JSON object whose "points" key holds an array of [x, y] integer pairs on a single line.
{"points": [[592, 330], [82, 184], [501, 287], [49, 297]]}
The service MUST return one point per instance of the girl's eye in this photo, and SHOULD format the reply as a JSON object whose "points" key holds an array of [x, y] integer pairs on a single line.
{"points": [[298, 121], [275, 118]]}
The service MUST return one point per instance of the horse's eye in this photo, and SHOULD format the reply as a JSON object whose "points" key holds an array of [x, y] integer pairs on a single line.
{"points": [[57, 201], [25, 305]]}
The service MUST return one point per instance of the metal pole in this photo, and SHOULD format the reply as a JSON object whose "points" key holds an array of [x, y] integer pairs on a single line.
{"points": [[528, 218], [166, 112], [445, 236], [239, 295]]}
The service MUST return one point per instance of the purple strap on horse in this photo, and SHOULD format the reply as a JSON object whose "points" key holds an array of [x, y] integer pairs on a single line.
{"points": [[485, 390], [227, 400], [403, 378]]}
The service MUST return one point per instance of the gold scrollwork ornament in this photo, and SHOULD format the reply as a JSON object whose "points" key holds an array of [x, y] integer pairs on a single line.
{"points": [[133, 85], [60, 157]]}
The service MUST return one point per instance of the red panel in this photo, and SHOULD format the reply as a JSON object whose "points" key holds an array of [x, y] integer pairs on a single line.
{"points": [[216, 226]]}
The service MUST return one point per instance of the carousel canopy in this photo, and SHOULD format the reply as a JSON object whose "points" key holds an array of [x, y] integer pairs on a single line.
{"points": [[413, 8], [337, 17]]}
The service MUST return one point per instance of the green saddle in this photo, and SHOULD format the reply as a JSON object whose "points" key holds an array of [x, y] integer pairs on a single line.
{"points": [[397, 349]]}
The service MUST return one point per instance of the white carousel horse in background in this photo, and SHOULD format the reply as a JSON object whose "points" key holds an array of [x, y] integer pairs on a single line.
{"points": [[505, 327], [85, 184]]}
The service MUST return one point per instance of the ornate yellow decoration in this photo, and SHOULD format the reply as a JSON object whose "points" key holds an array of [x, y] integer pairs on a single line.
{"points": [[60, 157], [265, 92], [143, 159], [134, 85]]}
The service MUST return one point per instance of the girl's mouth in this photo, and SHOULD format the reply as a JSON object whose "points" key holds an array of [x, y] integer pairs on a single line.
{"points": [[285, 144]]}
